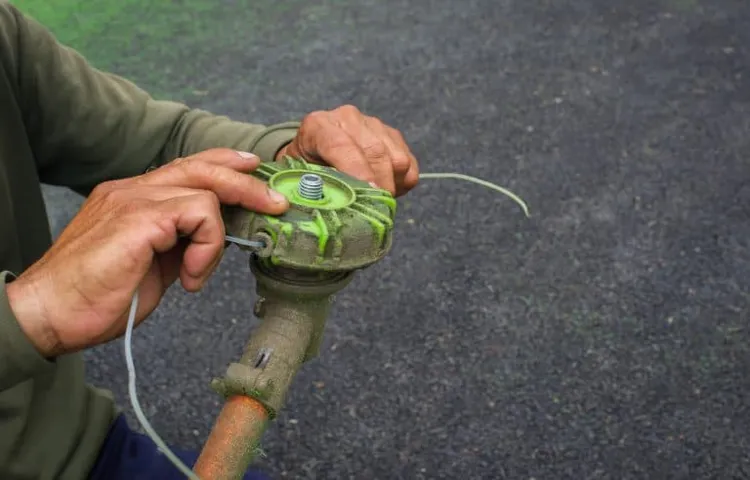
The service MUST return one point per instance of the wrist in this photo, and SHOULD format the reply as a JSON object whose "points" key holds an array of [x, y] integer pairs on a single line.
{"points": [[30, 315]]}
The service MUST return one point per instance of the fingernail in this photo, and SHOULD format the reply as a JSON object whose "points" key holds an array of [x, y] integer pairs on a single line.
{"points": [[276, 197], [247, 155], [374, 185]]}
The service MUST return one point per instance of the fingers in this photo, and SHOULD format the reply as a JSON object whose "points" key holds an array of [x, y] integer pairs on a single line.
{"points": [[361, 146], [164, 216], [223, 172], [405, 165], [368, 134], [320, 138], [236, 160], [199, 217], [402, 164], [379, 151]]}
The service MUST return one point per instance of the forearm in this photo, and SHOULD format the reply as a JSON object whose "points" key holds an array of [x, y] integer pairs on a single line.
{"points": [[198, 130]]}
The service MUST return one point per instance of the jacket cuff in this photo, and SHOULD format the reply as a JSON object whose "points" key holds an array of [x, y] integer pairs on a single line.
{"points": [[273, 139], [19, 359]]}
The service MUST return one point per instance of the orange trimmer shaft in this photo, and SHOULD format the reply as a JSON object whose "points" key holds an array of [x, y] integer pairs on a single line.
{"points": [[233, 440]]}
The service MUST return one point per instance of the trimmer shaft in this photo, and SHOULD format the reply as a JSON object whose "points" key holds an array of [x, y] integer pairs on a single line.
{"points": [[336, 224]]}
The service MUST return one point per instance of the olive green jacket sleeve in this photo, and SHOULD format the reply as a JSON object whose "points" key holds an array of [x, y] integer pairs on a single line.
{"points": [[87, 126], [19, 359]]}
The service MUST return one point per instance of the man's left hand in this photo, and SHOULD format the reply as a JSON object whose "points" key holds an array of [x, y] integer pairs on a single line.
{"points": [[361, 146]]}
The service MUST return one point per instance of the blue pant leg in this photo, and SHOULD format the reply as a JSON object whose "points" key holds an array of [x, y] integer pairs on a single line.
{"points": [[128, 455]]}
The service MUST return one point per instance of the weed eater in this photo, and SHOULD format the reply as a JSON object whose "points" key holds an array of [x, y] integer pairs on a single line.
{"points": [[335, 225]]}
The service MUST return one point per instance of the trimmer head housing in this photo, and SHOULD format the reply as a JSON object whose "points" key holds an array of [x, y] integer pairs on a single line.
{"points": [[335, 222]]}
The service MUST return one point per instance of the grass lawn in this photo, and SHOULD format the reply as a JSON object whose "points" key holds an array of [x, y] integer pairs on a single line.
{"points": [[164, 46]]}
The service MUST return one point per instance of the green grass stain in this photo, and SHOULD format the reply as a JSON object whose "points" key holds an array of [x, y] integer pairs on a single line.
{"points": [[166, 47]]}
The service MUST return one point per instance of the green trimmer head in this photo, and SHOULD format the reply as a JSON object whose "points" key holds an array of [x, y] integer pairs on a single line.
{"points": [[335, 222]]}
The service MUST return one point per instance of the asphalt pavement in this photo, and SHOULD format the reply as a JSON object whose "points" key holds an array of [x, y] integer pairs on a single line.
{"points": [[605, 337]]}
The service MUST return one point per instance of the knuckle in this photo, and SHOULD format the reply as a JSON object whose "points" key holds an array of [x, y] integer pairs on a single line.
{"points": [[127, 211], [195, 167], [229, 183], [211, 200], [376, 149], [131, 211], [101, 190], [401, 162], [108, 186], [396, 134], [348, 109], [412, 179], [376, 123], [184, 163], [181, 166], [208, 202], [335, 142], [315, 117], [206, 205], [177, 162], [110, 194]]}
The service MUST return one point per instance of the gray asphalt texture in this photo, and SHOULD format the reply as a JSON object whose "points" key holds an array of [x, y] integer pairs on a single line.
{"points": [[606, 337]]}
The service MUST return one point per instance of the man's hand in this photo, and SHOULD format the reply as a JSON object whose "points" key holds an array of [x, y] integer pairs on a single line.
{"points": [[361, 146], [141, 234]]}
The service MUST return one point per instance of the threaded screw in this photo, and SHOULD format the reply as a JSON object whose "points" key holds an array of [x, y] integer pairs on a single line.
{"points": [[311, 186]]}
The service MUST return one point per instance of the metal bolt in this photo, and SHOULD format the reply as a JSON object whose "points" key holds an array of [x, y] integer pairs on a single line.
{"points": [[311, 186]]}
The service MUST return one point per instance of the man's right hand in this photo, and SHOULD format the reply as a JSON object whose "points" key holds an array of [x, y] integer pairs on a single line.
{"points": [[140, 233]]}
